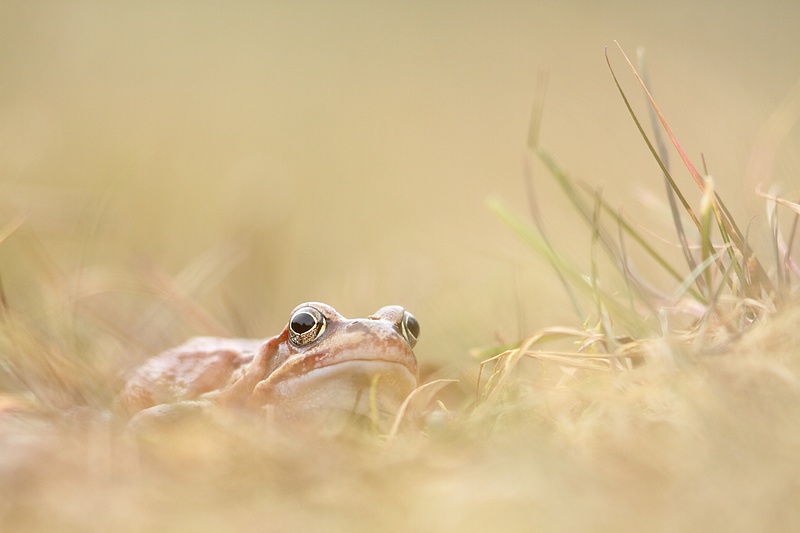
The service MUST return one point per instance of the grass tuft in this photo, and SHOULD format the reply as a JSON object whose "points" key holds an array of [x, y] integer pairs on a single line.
{"points": [[721, 290]]}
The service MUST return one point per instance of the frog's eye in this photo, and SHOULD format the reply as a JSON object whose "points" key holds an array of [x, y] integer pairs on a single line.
{"points": [[306, 325], [410, 328]]}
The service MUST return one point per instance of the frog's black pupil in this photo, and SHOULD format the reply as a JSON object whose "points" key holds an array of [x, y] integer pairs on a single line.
{"points": [[302, 322], [412, 325]]}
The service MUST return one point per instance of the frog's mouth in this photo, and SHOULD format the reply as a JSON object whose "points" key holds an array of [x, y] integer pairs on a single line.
{"points": [[365, 386]]}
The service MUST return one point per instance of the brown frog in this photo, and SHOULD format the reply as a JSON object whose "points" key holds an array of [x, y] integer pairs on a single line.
{"points": [[320, 364]]}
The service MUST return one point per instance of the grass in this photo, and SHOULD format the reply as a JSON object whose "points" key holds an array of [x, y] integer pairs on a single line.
{"points": [[670, 406]]}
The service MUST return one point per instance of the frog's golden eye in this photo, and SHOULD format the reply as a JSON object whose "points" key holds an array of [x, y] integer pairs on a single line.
{"points": [[306, 325], [410, 328]]}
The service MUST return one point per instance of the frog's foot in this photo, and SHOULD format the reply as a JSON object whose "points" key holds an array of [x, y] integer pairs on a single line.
{"points": [[167, 417]]}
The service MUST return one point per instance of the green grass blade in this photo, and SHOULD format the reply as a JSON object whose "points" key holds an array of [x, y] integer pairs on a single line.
{"points": [[698, 271], [533, 206], [523, 230]]}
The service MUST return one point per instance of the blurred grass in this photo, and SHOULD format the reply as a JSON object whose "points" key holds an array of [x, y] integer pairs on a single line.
{"points": [[160, 132]]}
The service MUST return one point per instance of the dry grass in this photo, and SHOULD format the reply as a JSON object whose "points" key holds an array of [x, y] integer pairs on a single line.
{"points": [[685, 442], [679, 410]]}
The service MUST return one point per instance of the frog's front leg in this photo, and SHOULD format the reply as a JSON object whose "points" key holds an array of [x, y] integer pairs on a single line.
{"points": [[240, 391], [167, 416]]}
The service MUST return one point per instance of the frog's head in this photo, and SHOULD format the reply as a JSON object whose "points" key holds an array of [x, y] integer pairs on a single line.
{"points": [[323, 362]]}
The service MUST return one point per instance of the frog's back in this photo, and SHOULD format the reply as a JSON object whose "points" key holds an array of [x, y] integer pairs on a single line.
{"points": [[198, 366]]}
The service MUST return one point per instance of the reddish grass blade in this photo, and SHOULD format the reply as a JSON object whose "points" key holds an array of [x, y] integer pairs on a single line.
{"points": [[758, 279]]}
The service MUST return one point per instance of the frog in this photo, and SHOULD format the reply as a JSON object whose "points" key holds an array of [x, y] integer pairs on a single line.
{"points": [[320, 365]]}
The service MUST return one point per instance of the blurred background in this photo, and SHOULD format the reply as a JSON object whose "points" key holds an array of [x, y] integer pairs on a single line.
{"points": [[180, 168]]}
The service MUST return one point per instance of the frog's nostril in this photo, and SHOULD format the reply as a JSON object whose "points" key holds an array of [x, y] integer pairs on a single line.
{"points": [[357, 325]]}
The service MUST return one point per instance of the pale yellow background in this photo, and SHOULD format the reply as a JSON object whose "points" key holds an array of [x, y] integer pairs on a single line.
{"points": [[343, 151]]}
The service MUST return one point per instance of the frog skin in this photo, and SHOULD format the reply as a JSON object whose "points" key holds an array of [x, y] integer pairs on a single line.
{"points": [[321, 363]]}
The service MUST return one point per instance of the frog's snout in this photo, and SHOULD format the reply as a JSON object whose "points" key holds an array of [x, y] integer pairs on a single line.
{"points": [[395, 317]]}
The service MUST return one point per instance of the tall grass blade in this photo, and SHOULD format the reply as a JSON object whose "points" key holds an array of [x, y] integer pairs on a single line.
{"points": [[537, 112], [674, 190], [652, 149], [533, 205], [758, 278], [664, 156]]}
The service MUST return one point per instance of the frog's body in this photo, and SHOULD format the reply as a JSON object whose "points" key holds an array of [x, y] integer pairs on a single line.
{"points": [[321, 363]]}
